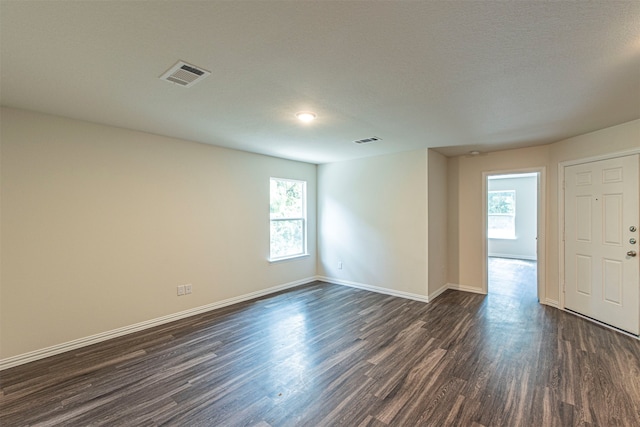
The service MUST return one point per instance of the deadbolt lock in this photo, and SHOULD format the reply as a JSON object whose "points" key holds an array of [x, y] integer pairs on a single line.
{"points": [[632, 228], [632, 241]]}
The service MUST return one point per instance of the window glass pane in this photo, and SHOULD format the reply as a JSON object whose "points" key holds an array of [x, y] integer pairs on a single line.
{"points": [[288, 218], [287, 199], [287, 238], [502, 202], [501, 220]]}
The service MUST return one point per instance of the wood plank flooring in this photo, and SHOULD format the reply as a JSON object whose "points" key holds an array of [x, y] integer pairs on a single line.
{"points": [[325, 355]]}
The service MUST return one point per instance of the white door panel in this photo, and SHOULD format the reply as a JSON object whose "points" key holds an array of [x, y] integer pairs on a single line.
{"points": [[601, 204]]}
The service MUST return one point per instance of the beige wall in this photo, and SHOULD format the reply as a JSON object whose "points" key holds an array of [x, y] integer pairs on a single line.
{"points": [[437, 222], [470, 219], [453, 220], [100, 224], [465, 192], [372, 216]]}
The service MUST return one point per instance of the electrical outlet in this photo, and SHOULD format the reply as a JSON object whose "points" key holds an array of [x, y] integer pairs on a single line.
{"points": [[180, 290], [187, 288], [340, 265]]}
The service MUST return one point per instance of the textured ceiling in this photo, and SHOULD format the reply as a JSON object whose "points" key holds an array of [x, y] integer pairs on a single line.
{"points": [[453, 75]]}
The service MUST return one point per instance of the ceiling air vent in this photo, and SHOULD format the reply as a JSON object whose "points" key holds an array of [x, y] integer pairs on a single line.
{"points": [[367, 140], [184, 74]]}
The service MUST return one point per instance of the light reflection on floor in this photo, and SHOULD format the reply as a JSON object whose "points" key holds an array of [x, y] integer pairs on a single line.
{"points": [[513, 277], [289, 352], [511, 302]]}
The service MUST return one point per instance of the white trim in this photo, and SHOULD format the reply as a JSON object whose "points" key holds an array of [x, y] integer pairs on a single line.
{"points": [[609, 156], [561, 166], [377, 289], [560, 235], [502, 238], [437, 293], [513, 256], [31, 356], [454, 287], [541, 227], [541, 248], [514, 175], [400, 294], [287, 258], [465, 288], [551, 303]]}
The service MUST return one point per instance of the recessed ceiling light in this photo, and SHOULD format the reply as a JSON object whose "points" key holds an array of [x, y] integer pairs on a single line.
{"points": [[306, 116], [474, 153]]}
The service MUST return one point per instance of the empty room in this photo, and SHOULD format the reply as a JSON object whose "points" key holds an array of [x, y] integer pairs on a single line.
{"points": [[319, 213]]}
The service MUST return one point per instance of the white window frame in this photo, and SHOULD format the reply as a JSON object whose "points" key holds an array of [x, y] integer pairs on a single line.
{"points": [[303, 219]]}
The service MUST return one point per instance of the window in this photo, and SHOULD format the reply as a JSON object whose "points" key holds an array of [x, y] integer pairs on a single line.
{"points": [[501, 214], [288, 215]]}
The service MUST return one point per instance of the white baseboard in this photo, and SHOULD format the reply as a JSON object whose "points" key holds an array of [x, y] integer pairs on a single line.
{"points": [[401, 294], [437, 293], [551, 303], [512, 256], [377, 289], [31, 356], [464, 288]]}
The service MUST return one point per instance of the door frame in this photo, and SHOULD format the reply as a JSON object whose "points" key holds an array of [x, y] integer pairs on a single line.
{"points": [[541, 228], [561, 234]]}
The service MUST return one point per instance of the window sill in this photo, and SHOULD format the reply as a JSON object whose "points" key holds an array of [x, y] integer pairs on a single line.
{"points": [[289, 258]]}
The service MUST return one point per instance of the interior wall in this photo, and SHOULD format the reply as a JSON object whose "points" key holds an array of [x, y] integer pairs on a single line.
{"points": [[453, 219], [523, 246], [470, 204], [372, 218], [101, 224], [465, 181], [438, 247]]}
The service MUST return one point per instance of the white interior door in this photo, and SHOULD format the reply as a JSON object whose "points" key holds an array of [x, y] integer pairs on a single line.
{"points": [[602, 274]]}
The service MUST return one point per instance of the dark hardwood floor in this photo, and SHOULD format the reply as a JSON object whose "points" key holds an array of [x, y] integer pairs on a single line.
{"points": [[325, 354]]}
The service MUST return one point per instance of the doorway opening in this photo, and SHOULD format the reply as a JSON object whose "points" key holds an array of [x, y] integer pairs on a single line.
{"points": [[512, 238]]}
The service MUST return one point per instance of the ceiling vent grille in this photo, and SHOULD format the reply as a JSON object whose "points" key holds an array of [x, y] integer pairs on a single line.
{"points": [[367, 140], [184, 74]]}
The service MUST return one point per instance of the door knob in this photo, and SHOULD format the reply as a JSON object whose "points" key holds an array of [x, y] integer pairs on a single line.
{"points": [[631, 253]]}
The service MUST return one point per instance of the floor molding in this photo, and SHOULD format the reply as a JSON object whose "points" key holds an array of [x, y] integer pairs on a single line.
{"points": [[401, 294], [511, 256], [437, 293], [31, 356], [377, 289], [464, 288]]}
